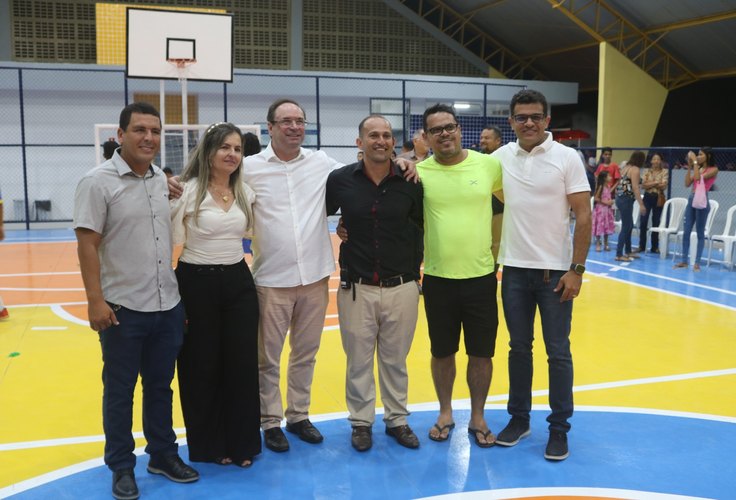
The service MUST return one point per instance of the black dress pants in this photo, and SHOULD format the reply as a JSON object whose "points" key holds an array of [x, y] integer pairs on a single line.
{"points": [[218, 364]]}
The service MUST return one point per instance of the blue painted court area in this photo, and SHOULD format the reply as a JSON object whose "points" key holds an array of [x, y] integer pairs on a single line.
{"points": [[646, 453]]}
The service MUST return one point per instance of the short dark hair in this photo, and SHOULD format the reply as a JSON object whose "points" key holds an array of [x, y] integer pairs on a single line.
{"points": [[606, 150], [108, 148], [137, 107], [495, 130], [168, 170], [374, 115], [528, 96], [271, 115], [251, 144], [437, 108]]}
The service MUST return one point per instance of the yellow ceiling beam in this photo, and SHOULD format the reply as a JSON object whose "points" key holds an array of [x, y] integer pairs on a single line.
{"points": [[689, 23], [460, 27], [606, 20]]}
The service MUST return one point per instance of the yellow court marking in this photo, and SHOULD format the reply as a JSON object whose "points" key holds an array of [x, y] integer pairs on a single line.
{"points": [[623, 336]]}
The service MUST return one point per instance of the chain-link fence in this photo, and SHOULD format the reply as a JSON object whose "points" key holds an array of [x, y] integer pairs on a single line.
{"points": [[48, 138]]}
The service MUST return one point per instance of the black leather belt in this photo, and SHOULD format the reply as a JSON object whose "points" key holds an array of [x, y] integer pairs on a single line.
{"points": [[387, 282]]}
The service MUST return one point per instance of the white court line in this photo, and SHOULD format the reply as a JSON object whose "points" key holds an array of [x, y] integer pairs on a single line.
{"points": [[65, 315], [465, 404], [668, 292], [7, 289], [18, 306], [457, 404], [664, 277], [60, 273], [49, 328]]}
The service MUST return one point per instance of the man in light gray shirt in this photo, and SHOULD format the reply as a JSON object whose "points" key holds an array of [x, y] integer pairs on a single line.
{"points": [[123, 229]]}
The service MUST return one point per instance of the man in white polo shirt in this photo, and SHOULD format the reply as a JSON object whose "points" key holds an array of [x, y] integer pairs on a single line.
{"points": [[542, 268]]}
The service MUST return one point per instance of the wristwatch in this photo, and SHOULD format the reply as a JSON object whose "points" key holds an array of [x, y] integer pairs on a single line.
{"points": [[577, 268]]}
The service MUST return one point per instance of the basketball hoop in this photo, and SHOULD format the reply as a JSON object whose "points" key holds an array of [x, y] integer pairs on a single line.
{"points": [[182, 64]]}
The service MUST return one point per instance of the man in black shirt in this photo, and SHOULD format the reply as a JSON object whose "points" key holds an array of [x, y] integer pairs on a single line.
{"points": [[379, 265]]}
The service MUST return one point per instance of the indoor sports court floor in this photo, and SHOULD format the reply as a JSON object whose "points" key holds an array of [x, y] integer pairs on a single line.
{"points": [[655, 382]]}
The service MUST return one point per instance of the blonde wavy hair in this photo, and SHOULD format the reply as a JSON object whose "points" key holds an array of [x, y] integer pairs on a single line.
{"points": [[198, 167]]}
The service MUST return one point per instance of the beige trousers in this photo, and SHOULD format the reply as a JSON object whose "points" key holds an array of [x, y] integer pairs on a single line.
{"points": [[382, 320], [301, 311]]}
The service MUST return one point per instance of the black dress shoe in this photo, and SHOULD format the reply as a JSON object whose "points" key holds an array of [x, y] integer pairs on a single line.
{"points": [[361, 438], [275, 439], [404, 436], [123, 485], [306, 431], [174, 468]]}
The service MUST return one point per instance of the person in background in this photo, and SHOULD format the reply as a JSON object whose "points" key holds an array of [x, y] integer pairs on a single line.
{"points": [[168, 172], [251, 144], [378, 297], [420, 150], [654, 182], [603, 223], [459, 279], [4, 314], [614, 173], [490, 140], [627, 193], [701, 168], [542, 269], [218, 364], [123, 226], [109, 147]]}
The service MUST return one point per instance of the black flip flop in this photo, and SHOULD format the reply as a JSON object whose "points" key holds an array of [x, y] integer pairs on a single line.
{"points": [[439, 437], [485, 434]]}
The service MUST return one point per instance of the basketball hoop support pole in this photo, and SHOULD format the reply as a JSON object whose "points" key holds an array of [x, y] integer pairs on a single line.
{"points": [[185, 118], [162, 107]]}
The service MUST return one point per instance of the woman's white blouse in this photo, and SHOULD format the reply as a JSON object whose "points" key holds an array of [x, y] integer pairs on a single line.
{"points": [[217, 237]]}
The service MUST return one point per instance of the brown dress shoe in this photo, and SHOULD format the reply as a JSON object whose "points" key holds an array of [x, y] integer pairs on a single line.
{"points": [[362, 438], [404, 436]]}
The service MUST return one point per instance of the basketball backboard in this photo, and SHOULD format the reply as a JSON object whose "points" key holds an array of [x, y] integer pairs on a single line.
{"points": [[154, 37]]}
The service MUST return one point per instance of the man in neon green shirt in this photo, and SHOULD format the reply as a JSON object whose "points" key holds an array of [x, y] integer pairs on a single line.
{"points": [[459, 280]]}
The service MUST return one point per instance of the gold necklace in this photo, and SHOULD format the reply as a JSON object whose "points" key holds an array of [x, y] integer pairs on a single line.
{"points": [[225, 197]]}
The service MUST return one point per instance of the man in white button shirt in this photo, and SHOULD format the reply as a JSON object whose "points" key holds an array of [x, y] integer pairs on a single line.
{"points": [[292, 262]]}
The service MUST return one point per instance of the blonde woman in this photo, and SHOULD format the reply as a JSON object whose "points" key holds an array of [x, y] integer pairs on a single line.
{"points": [[218, 364]]}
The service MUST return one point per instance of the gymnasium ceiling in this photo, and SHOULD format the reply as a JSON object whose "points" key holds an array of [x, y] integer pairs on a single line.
{"points": [[678, 42]]}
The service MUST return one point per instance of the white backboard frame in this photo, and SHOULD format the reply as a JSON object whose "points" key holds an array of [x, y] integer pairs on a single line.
{"points": [[154, 35]]}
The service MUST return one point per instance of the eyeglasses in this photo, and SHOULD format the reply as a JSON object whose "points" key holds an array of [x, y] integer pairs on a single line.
{"points": [[450, 128], [536, 118], [286, 122]]}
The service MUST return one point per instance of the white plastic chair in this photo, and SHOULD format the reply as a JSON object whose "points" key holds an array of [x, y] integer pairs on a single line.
{"points": [[673, 213], [727, 238], [693, 234]]}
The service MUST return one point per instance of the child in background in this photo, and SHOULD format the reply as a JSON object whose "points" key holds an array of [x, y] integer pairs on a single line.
{"points": [[602, 212]]}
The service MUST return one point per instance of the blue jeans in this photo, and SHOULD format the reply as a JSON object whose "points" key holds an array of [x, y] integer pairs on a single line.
{"points": [[650, 203], [523, 291], [625, 205], [145, 343], [694, 217]]}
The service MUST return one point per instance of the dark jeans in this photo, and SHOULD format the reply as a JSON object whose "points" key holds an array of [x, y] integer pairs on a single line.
{"points": [[523, 291], [650, 202], [625, 205], [694, 217], [144, 343]]}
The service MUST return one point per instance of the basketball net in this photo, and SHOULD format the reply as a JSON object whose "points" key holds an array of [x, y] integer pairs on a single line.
{"points": [[182, 67]]}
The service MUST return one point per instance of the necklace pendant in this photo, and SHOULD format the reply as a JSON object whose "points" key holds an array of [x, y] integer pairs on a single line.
{"points": [[225, 198]]}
